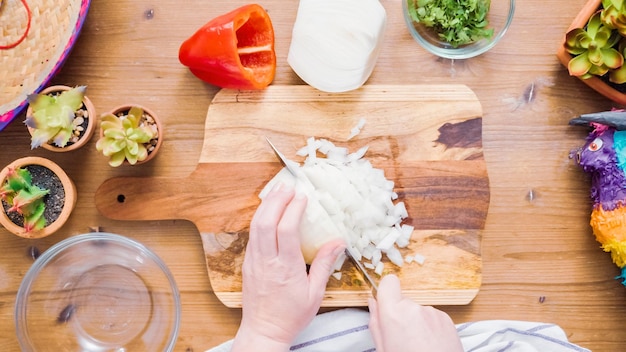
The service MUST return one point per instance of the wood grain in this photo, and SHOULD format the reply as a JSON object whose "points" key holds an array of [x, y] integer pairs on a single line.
{"points": [[537, 241], [433, 155]]}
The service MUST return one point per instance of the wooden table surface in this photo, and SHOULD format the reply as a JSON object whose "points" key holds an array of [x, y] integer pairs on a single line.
{"points": [[540, 260]]}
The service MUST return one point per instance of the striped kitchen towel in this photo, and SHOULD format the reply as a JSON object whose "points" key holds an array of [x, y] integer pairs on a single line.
{"points": [[347, 330]]}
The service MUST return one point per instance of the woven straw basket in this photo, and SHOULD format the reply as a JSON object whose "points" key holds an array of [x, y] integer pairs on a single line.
{"points": [[28, 67]]}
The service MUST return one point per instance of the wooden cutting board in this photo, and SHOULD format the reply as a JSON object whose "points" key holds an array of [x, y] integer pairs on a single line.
{"points": [[427, 138]]}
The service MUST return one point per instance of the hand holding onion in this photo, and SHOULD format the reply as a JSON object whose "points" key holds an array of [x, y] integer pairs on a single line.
{"points": [[397, 322], [279, 298]]}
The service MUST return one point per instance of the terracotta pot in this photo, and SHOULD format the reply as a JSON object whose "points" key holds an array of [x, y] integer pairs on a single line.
{"points": [[151, 154], [564, 57], [89, 130], [70, 198]]}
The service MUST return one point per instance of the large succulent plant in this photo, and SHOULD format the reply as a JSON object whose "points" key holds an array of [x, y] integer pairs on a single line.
{"points": [[600, 46], [125, 137], [24, 198], [53, 116], [593, 47]]}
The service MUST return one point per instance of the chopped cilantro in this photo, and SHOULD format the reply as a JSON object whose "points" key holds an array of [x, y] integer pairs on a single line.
{"points": [[457, 22]]}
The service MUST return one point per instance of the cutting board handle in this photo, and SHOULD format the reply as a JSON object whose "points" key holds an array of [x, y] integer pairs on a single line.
{"points": [[216, 197], [141, 198]]}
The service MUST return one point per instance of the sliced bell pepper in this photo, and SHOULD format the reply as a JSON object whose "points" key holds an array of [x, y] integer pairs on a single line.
{"points": [[235, 50]]}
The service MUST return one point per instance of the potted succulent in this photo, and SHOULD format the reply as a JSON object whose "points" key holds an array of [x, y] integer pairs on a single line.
{"points": [[129, 134], [37, 197], [60, 118], [594, 48]]}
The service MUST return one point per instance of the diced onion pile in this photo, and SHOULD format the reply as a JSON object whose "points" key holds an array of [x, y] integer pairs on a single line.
{"points": [[357, 198]]}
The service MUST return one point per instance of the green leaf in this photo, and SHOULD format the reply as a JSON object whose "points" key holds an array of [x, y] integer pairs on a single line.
{"points": [[135, 115], [61, 138], [35, 219], [579, 65], [41, 137], [72, 98], [594, 24], [612, 58], [40, 101], [132, 147], [132, 158], [114, 146], [618, 75], [110, 121], [118, 158]]}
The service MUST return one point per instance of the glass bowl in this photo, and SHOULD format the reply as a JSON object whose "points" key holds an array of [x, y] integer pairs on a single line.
{"points": [[500, 17], [98, 292]]}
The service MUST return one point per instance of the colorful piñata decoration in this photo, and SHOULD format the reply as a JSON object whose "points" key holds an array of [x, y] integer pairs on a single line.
{"points": [[604, 157]]}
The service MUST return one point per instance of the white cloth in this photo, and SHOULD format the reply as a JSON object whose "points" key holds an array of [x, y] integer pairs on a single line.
{"points": [[347, 330]]}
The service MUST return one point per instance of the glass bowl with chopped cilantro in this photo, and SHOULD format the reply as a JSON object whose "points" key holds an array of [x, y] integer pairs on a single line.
{"points": [[458, 29]]}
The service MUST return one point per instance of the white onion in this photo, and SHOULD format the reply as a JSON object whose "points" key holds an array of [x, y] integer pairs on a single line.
{"points": [[356, 129], [348, 199], [335, 43], [418, 258], [379, 268]]}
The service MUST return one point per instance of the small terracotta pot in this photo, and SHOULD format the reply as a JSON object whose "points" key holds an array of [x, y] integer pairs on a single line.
{"points": [[155, 117], [70, 198], [594, 82], [89, 130]]}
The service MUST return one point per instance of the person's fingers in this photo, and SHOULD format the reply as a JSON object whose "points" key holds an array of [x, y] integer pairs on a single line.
{"points": [[389, 291], [265, 221], [289, 229], [374, 324], [322, 266]]}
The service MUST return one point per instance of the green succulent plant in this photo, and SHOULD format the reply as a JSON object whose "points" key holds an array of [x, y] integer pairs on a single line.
{"points": [[593, 49], [125, 137], [600, 47], [613, 15], [24, 198], [53, 116]]}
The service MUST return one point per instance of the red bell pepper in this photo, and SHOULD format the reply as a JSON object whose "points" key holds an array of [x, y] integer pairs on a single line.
{"points": [[235, 50]]}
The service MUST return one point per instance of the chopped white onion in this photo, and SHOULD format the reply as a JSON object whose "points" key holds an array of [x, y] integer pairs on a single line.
{"points": [[348, 199], [379, 268], [339, 263], [395, 256], [419, 259], [377, 255], [356, 129], [389, 240]]}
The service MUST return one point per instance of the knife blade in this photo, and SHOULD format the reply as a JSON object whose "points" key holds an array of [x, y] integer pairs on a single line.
{"points": [[288, 164], [292, 168], [362, 271]]}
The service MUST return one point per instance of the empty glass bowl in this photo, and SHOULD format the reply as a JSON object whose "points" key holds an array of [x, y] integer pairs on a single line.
{"points": [[500, 16], [98, 292]]}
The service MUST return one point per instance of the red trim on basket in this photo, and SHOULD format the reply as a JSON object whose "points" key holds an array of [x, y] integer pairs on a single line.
{"points": [[16, 43]]}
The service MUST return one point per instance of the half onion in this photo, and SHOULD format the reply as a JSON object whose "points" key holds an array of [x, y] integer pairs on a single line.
{"points": [[348, 199]]}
